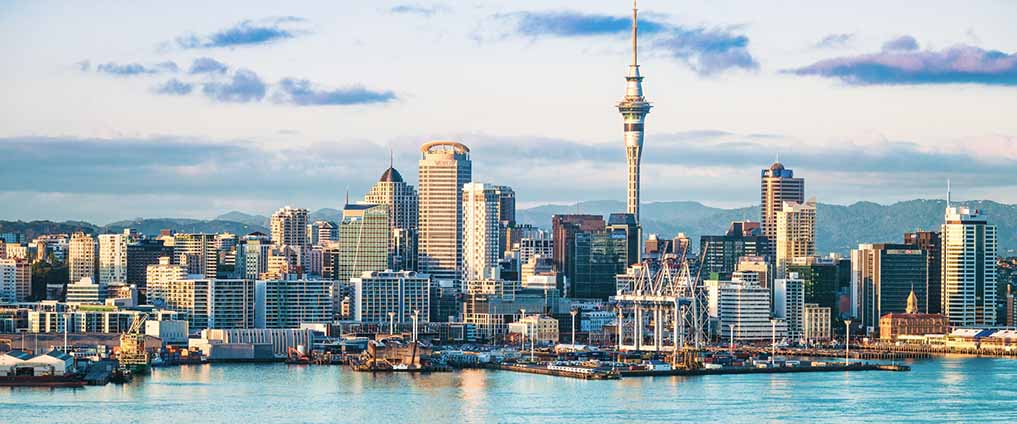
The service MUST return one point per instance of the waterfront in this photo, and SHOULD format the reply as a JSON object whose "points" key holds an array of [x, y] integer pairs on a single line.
{"points": [[943, 389]]}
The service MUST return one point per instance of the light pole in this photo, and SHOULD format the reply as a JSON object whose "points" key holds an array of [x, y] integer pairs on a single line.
{"points": [[415, 314], [574, 312], [533, 336], [391, 322], [522, 345], [731, 346], [773, 339], [847, 342], [619, 311]]}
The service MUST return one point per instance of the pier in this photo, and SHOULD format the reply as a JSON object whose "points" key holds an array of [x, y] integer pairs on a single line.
{"points": [[768, 370]]}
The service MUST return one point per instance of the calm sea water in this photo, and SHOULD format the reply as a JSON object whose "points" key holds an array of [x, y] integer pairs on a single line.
{"points": [[950, 389]]}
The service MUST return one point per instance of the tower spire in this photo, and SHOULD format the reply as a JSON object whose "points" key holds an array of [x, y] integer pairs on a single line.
{"points": [[948, 192], [635, 34]]}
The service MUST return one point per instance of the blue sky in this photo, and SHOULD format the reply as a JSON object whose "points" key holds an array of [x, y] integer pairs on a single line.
{"points": [[115, 110]]}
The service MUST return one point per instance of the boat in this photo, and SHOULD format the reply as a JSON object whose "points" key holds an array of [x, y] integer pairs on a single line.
{"points": [[66, 380]]}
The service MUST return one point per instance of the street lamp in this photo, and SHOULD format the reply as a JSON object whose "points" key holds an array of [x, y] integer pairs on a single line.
{"points": [[773, 339], [731, 347], [847, 341], [533, 335], [574, 312], [391, 322], [415, 314], [620, 316], [522, 339]]}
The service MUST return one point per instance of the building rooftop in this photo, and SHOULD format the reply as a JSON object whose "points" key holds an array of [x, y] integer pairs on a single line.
{"points": [[391, 175]]}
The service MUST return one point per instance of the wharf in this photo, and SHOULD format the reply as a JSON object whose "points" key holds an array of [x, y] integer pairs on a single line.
{"points": [[101, 372], [585, 374], [769, 370]]}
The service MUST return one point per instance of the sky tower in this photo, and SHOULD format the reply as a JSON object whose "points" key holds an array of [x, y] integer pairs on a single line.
{"points": [[634, 108]]}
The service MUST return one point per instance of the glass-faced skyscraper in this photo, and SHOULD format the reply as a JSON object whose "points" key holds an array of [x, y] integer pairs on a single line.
{"points": [[444, 168]]}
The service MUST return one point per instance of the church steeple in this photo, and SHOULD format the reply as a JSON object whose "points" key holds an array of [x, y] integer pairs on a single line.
{"points": [[912, 307]]}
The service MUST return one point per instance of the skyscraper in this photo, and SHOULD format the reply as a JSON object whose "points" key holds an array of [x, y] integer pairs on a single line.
{"points": [[481, 228], [112, 259], [796, 233], [363, 240], [633, 108], [140, 255], [969, 268], [197, 253], [402, 201], [81, 257], [882, 277], [777, 186], [289, 227], [444, 168], [564, 229], [721, 253], [932, 243]]}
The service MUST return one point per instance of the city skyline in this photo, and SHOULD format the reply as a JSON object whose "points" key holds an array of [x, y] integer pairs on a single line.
{"points": [[731, 86]]}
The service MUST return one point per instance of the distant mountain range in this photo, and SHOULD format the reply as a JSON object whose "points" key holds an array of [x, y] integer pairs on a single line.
{"points": [[840, 228]]}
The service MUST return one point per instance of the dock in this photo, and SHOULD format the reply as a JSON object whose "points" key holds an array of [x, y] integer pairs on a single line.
{"points": [[570, 372], [768, 370]]}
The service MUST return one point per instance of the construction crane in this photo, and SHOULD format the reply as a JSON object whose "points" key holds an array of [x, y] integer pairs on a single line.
{"points": [[133, 355]]}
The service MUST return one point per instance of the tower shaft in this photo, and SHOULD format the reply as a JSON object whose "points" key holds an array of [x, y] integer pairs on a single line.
{"points": [[633, 108]]}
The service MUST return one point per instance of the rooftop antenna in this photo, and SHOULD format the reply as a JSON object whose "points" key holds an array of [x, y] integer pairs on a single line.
{"points": [[778, 157], [948, 192], [391, 157], [347, 197]]}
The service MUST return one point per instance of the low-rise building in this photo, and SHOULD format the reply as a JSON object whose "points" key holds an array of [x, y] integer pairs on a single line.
{"points": [[540, 328], [816, 322], [911, 323]]}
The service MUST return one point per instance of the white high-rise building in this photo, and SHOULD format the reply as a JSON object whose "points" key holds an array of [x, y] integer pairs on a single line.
{"points": [[213, 303], [796, 233], [376, 293], [197, 253], [289, 303], [444, 168], [15, 280], [969, 268], [81, 257], [112, 259], [289, 227], [744, 311], [633, 108], [789, 304], [777, 185], [159, 277], [480, 230]]}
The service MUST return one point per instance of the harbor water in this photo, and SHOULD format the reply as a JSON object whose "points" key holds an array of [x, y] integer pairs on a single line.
{"points": [[960, 389]]}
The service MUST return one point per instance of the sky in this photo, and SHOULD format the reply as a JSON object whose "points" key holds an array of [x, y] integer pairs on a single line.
{"points": [[118, 110]]}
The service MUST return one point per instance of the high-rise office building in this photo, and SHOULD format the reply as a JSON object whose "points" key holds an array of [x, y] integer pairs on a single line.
{"points": [[320, 233], [403, 204], [620, 224], [932, 243], [253, 251], [633, 108], [883, 275], [140, 255], [15, 280], [212, 303], [789, 304], [743, 310], [777, 185], [481, 228], [821, 280], [81, 257], [796, 233], [112, 259], [444, 168], [380, 292], [563, 230], [363, 240], [197, 253], [599, 257], [290, 303], [968, 268], [540, 244], [160, 275], [721, 253], [289, 227]]}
